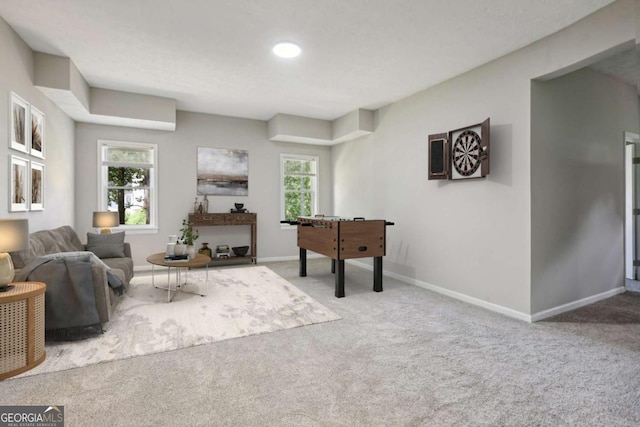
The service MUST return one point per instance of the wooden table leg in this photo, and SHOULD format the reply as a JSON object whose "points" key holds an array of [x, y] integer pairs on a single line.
{"points": [[333, 265], [340, 279], [377, 274]]}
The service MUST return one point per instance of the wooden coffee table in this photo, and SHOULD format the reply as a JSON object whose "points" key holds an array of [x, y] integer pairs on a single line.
{"points": [[200, 260]]}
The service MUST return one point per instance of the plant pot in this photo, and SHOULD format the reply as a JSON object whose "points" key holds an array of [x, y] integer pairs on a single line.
{"points": [[191, 251], [180, 249]]}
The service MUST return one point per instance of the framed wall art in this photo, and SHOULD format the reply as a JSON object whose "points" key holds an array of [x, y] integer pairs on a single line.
{"points": [[19, 129], [223, 172], [37, 132], [18, 184], [37, 186]]}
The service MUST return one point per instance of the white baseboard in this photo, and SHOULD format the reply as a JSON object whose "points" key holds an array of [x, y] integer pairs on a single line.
{"points": [[290, 258], [457, 295], [453, 294], [576, 304], [495, 307]]}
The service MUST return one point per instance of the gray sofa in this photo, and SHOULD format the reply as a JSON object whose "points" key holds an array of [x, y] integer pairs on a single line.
{"points": [[65, 240]]}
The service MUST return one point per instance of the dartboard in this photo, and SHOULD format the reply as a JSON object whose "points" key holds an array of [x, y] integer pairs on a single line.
{"points": [[466, 153]]}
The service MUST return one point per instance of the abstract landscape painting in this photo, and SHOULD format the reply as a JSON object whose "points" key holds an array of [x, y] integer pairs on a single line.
{"points": [[223, 172]]}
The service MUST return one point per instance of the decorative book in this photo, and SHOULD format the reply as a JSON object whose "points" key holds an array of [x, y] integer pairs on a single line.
{"points": [[176, 258]]}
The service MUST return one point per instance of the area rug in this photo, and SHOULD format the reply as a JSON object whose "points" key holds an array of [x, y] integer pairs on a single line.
{"points": [[239, 302]]}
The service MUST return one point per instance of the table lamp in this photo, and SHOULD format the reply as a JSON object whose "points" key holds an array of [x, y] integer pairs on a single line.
{"points": [[105, 220], [14, 236]]}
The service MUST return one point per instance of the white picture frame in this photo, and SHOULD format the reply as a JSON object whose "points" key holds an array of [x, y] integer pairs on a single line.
{"points": [[37, 131], [20, 134], [19, 184], [37, 186]]}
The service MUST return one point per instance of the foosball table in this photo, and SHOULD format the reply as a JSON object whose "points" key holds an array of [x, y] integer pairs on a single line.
{"points": [[341, 239]]}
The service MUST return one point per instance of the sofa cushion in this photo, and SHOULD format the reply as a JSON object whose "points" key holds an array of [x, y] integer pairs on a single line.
{"points": [[62, 239], [123, 264], [106, 245]]}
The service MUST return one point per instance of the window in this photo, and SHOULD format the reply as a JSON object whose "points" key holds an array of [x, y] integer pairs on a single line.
{"points": [[299, 181], [127, 184]]}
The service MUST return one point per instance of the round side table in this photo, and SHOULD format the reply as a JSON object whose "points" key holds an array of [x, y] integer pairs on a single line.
{"points": [[22, 332]]}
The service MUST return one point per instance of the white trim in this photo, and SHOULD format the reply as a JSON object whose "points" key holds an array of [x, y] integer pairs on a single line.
{"points": [[143, 268], [152, 227], [310, 255], [133, 229], [453, 294], [576, 304], [495, 307], [631, 138], [630, 141]]}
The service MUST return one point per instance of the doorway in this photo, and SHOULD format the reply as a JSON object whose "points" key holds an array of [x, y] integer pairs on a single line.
{"points": [[631, 141]]}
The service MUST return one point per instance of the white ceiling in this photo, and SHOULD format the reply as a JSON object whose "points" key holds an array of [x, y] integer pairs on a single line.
{"points": [[214, 56]]}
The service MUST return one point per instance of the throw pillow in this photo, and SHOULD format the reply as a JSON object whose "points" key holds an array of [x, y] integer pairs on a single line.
{"points": [[106, 245]]}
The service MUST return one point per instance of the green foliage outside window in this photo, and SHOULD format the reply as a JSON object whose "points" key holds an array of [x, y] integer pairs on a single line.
{"points": [[137, 217], [128, 185], [299, 192]]}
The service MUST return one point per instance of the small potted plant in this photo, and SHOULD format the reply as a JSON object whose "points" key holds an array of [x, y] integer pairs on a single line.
{"points": [[189, 236]]}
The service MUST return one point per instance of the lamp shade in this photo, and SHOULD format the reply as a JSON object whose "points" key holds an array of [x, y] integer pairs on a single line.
{"points": [[14, 235], [105, 219]]}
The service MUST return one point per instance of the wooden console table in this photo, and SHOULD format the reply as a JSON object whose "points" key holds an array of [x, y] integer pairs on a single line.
{"points": [[22, 331], [216, 219]]}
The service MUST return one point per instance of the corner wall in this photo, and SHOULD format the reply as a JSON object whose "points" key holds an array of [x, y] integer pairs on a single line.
{"points": [[17, 76], [577, 186]]}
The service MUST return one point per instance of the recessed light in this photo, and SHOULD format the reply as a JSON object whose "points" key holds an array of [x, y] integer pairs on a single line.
{"points": [[287, 50]]}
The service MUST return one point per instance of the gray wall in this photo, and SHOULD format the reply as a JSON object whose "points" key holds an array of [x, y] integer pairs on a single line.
{"points": [[454, 235], [469, 239], [577, 186], [177, 180], [17, 76]]}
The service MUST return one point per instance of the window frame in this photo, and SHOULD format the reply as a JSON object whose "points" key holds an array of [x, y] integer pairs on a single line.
{"points": [[315, 189], [103, 181]]}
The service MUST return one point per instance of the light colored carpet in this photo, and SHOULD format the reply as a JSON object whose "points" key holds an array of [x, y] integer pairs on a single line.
{"points": [[239, 302], [402, 357]]}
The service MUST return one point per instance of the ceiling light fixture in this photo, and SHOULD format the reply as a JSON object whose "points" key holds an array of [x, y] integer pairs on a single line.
{"points": [[287, 50]]}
